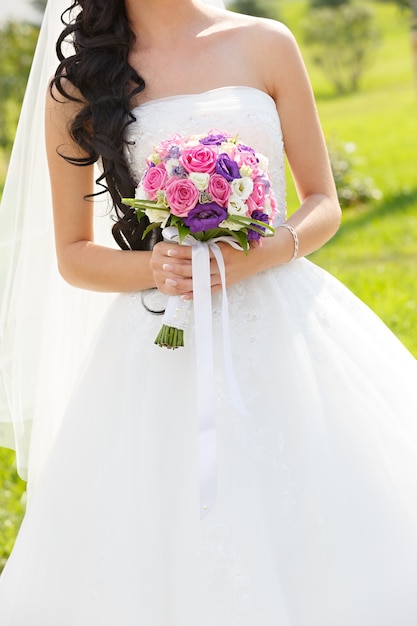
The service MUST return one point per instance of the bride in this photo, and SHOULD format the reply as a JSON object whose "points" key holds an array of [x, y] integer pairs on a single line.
{"points": [[308, 493]]}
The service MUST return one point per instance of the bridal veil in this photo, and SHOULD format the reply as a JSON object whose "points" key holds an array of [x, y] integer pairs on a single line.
{"points": [[45, 325]]}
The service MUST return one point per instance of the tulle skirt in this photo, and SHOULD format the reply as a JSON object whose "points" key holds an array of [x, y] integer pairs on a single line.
{"points": [[315, 522]]}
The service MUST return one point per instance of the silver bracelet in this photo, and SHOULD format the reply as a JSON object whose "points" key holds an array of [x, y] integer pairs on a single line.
{"points": [[295, 237]]}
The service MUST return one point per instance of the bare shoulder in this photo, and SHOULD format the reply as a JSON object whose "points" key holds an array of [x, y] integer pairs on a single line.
{"points": [[267, 45], [261, 30]]}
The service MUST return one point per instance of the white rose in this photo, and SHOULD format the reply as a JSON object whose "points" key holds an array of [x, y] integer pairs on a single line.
{"points": [[200, 180], [228, 147], [170, 165], [245, 171], [161, 199], [236, 206], [157, 215], [242, 187], [263, 162], [229, 225]]}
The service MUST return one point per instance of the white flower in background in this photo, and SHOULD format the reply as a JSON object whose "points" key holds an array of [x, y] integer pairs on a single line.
{"points": [[245, 171], [242, 187], [263, 162], [229, 225], [157, 215], [228, 147], [236, 206], [170, 165], [200, 180]]}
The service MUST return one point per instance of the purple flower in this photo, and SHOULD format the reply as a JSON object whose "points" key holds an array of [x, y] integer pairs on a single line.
{"points": [[264, 180], [226, 167], [213, 140], [179, 171], [261, 217], [242, 148], [174, 151], [205, 217]]}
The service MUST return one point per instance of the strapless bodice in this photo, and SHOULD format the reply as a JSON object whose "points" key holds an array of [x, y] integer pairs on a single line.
{"points": [[244, 111]]}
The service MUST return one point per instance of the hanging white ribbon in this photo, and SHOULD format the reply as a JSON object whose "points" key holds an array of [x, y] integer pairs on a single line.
{"points": [[204, 353]]}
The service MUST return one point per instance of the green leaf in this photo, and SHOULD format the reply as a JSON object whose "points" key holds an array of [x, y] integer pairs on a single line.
{"points": [[142, 205], [183, 231], [249, 221], [151, 226], [241, 237]]}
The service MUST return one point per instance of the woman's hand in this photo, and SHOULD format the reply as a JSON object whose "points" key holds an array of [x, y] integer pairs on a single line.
{"points": [[238, 266], [171, 266]]}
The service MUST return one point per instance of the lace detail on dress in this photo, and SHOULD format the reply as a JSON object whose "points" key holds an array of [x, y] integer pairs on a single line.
{"points": [[249, 113]]}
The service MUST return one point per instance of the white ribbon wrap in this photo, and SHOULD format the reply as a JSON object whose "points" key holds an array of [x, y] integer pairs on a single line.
{"points": [[204, 353]]}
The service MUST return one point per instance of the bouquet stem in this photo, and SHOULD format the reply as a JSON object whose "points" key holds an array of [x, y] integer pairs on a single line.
{"points": [[170, 337], [176, 319]]}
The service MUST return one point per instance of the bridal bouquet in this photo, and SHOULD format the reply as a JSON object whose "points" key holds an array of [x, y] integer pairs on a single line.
{"points": [[207, 187]]}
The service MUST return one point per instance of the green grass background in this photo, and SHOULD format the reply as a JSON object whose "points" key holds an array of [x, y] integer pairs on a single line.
{"points": [[375, 250]]}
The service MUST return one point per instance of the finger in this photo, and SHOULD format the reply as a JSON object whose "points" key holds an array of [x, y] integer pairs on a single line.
{"points": [[176, 287], [173, 250], [217, 288], [214, 268], [164, 266], [170, 278]]}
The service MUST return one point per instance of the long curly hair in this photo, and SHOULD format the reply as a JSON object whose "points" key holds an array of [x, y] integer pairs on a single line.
{"points": [[99, 70]]}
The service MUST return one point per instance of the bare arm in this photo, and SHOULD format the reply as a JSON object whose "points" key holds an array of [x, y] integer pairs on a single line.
{"points": [[318, 217], [81, 262]]}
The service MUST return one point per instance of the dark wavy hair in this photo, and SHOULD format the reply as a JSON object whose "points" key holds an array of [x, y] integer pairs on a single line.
{"points": [[99, 70]]}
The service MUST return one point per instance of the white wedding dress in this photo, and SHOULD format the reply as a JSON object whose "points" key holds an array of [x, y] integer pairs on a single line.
{"points": [[315, 522]]}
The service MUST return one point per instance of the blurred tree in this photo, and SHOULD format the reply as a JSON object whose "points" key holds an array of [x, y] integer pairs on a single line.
{"points": [[411, 7], [403, 4], [413, 33], [315, 4], [17, 45], [259, 8], [341, 40]]}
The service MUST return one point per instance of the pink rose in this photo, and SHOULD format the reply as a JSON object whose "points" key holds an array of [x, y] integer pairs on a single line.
{"points": [[182, 196], [256, 200], [199, 159], [154, 180], [219, 189], [249, 159]]}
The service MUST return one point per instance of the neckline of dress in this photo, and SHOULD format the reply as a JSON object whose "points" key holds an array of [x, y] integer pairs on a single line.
{"points": [[202, 93]]}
